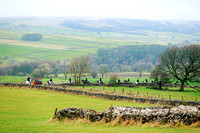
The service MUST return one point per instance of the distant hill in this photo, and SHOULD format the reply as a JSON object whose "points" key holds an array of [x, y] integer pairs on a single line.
{"points": [[131, 25], [65, 38]]}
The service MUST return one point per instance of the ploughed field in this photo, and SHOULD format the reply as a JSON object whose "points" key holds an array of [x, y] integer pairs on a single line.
{"points": [[29, 110]]}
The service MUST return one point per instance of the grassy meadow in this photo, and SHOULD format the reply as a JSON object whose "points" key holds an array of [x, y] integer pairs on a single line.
{"points": [[25, 110], [188, 95]]}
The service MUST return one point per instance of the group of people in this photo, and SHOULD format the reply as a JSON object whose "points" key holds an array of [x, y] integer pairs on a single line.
{"points": [[125, 81], [137, 82], [38, 82], [50, 82]]}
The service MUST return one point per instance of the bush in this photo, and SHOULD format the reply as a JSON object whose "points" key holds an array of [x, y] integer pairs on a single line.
{"points": [[93, 74], [113, 79], [20, 74], [36, 73], [32, 37], [55, 75]]}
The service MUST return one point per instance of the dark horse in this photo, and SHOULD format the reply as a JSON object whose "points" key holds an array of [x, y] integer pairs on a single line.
{"points": [[39, 82]]}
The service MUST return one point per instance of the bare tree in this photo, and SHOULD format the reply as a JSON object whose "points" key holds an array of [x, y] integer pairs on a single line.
{"points": [[103, 69], [42, 71], [140, 71], [66, 72], [182, 63], [78, 66]]}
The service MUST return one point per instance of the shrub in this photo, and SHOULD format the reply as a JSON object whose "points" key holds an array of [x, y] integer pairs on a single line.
{"points": [[113, 79], [32, 37], [20, 74]]}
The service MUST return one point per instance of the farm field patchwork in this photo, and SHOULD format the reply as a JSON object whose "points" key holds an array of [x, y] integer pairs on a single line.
{"points": [[24, 53], [62, 42], [25, 110]]}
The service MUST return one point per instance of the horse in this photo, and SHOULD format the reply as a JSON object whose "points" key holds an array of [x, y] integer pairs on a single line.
{"points": [[85, 82], [27, 82], [39, 82], [50, 82], [100, 82], [135, 82]]}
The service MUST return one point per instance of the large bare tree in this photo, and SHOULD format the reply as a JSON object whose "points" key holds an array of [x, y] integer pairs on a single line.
{"points": [[78, 66], [182, 63]]}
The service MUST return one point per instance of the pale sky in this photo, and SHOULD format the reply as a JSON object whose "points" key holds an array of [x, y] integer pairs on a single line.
{"points": [[137, 9]]}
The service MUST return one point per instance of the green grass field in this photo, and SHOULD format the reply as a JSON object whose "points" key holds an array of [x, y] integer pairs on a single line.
{"points": [[143, 91], [189, 94], [25, 110]]}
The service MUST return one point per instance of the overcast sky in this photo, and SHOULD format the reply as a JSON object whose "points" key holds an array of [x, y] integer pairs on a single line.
{"points": [[137, 9]]}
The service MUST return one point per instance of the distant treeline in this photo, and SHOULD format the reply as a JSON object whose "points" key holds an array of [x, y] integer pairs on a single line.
{"points": [[130, 58], [32, 37], [132, 25], [42, 68]]}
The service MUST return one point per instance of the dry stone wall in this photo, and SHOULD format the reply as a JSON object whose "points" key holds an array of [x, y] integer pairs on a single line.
{"points": [[162, 114]]}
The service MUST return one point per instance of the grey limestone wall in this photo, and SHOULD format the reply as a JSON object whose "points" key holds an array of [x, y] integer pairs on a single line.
{"points": [[162, 114]]}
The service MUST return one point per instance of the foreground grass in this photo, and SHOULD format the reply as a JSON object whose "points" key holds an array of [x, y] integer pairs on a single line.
{"points": [[24, 110]]}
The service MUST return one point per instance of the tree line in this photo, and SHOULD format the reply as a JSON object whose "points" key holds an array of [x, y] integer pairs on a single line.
{"points": [[32, 37], [38, 69], [130, 58]]}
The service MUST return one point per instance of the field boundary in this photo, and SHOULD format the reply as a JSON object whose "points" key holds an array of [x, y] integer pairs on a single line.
{"points": [[107, 96], [160, 114]]}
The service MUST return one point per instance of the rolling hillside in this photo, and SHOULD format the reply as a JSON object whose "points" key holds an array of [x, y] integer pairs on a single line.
{"points": [[65, 38]]}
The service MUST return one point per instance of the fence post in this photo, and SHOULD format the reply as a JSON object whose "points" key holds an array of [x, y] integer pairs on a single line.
{"points": [[169, 110], [110, 115], [140, 118], [140, 111], [182, 100], [169, 97], [55, 111], [123, 90], [114, 89]]}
